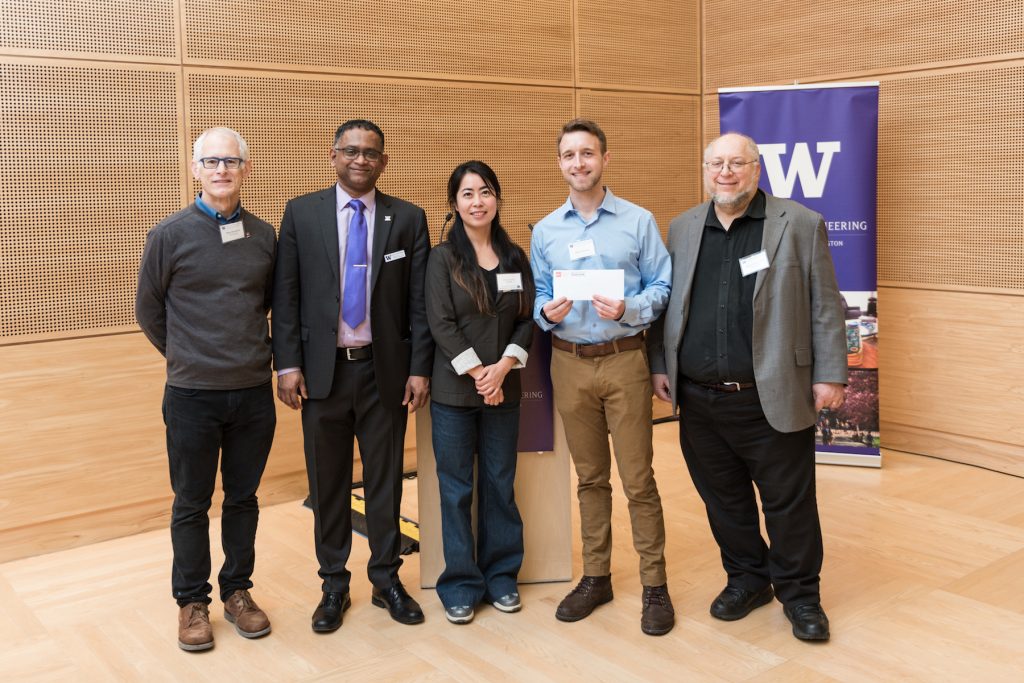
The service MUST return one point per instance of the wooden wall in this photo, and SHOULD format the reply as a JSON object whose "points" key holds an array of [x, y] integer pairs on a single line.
{"points": [[950, 227], [100, 101]]}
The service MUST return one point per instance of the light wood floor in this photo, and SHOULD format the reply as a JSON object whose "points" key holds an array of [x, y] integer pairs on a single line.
{"points": [[924, 580]]}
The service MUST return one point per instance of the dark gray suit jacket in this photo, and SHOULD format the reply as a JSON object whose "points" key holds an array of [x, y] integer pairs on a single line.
{"points": [[457, 325], [799, 335], [307, 293]]}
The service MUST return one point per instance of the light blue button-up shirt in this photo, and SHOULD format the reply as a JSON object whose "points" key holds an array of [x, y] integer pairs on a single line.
{"points": [[625, 237]]}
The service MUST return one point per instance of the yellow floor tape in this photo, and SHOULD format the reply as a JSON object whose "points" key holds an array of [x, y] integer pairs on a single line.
{"points": [[410, 529]]}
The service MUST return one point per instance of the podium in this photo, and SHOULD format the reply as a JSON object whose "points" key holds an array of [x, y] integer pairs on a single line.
{"points": [[542, 496]]}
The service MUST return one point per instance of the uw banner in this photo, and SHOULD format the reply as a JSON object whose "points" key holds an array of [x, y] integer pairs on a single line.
{"points": [[819, 146]]}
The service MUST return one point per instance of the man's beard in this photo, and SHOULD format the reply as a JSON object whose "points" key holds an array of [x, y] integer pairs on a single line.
{"points": [[734, 202]]}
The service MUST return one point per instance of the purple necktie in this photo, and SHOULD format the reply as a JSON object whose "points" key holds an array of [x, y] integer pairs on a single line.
{"points": [[353, 308]]}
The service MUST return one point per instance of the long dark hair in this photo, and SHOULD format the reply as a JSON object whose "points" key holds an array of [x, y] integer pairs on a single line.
{"points": [[511, 257]]}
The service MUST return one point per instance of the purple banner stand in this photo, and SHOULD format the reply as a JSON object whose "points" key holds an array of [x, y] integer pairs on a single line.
{"points": [[819, 146]]}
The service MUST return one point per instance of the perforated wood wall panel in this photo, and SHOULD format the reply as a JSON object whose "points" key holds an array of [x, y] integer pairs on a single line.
{"points": [[90, 162], [950, 154], [711, 127], [781, 40], [653, 44], [428, 129], [487, 39], [127, 28], [653, 141]]}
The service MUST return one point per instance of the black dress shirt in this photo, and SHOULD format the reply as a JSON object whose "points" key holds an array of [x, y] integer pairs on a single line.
{"points": [[716, 345]]}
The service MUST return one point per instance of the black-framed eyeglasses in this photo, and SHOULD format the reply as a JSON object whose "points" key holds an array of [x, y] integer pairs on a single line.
{"points": [[351, 153], [735, 164], [230, 163]]}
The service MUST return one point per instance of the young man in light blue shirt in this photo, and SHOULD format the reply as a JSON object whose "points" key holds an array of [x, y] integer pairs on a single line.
{"points": [[599, 366]]}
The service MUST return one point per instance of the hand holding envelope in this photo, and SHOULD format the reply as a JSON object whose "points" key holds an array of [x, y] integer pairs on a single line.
{"points": [[609, 309], [603, 288]]}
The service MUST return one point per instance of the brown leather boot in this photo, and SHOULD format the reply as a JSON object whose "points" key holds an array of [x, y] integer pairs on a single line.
{"points": [[658, 617], [588, 594], [249, 620], [194, 631]]}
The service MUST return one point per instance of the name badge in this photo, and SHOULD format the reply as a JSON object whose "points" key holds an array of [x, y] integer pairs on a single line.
{"points": [[753, 263], [581, 249], [510, 282], [394, 256], [229, 232]]}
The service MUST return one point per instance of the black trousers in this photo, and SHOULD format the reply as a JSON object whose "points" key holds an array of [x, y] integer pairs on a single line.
{"points": [[354, 409], [235, 427], [730, 448]]}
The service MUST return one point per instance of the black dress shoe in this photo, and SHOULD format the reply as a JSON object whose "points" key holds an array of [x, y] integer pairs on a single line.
{"points": [[809, 621], [398, 603], [327, 616], [735, 603]]}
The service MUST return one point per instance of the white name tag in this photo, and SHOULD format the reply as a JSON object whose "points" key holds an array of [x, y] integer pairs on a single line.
{"points": [[581, 249], [753, 263], [229, 232], [510, 282], [394, 256]]}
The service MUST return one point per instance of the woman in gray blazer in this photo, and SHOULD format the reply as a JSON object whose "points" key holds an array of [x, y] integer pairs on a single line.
{"points": [[479, 293]]}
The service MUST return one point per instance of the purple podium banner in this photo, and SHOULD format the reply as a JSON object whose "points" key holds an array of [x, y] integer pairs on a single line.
{"points": [[819, 146], [536, 416]]}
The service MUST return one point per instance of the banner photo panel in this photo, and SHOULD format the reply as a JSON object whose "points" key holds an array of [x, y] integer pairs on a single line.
{"points": [[537, 405], [819, 146]]}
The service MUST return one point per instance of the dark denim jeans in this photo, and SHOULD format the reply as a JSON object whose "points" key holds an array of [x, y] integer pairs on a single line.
{"points": [[491, 571], [203, 426]]}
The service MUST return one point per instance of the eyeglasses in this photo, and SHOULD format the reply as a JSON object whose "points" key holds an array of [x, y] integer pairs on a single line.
{"points": [[735, 164], [230, 163], [351, 153]]}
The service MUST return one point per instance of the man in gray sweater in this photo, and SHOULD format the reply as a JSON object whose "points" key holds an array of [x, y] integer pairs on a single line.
{"points": [[204, 293]]}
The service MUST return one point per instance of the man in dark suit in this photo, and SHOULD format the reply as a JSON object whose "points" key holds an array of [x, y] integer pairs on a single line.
{"points": [[750, 348], [353, 351]]}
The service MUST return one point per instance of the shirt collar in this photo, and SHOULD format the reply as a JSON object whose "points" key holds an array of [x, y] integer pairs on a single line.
{"points": [[755, 210], [369, 199], [217, 215], [608, 204]]}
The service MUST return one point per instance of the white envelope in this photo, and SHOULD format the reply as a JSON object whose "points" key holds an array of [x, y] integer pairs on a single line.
{"points": [[582, 285]]}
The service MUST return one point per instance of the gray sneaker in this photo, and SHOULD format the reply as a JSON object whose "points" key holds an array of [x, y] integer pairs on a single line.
{"points": [[459, 614], [508, 603]]}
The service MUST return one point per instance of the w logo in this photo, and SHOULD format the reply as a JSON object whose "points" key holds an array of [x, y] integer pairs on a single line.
{"points": [[812, 182]]}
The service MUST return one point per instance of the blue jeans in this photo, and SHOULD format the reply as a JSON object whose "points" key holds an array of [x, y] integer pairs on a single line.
{"points": [[234, 429], [490, 432]]}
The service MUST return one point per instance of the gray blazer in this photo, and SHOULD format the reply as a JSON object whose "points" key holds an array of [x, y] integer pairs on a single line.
{"points": [[799, 336], [457, 324]]}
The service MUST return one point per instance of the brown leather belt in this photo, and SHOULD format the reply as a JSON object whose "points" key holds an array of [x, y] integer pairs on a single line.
{"points": [[355, 352], [727, 387], [603, 349]]}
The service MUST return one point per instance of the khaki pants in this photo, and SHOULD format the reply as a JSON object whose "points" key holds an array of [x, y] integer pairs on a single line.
{"points": [[595, 396]]}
